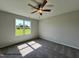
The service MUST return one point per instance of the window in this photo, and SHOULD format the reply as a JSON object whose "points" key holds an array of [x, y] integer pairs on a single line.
{"points": [[23, 27]]}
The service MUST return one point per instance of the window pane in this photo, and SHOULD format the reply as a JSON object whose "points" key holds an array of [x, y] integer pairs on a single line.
{"points": [[19, 27], [27, 27]]}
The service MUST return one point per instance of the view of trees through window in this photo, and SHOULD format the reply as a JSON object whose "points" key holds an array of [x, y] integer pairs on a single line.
{"points": [[23, 27]]}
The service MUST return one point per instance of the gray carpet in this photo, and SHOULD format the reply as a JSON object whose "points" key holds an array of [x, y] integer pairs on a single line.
{"points": [[39, 48]]}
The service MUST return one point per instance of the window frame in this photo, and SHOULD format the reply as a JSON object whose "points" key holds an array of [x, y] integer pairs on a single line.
{"points": [[23, 26]]}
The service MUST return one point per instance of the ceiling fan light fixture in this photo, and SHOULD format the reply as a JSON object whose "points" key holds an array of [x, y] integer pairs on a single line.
{"points": [[40, 11], [40, 7]]}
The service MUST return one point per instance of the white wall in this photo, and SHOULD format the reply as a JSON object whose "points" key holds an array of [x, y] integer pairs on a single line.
{"points": [[62, 29], [7, 29]]}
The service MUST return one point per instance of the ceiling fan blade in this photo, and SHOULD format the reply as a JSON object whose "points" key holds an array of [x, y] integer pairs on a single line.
{"points": [[33, 12], [32, 6], [48, 10], [35, 1], [44, 3], [39, 6]]}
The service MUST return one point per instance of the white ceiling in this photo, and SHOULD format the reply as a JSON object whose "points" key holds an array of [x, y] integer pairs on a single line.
{"points": [[20, 7]]}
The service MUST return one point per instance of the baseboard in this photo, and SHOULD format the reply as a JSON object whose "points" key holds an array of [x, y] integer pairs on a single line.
{"points": [[63, 43], [19, 43]]}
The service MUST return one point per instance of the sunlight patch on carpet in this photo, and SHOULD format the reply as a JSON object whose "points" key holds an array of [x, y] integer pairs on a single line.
{"points": [[29, 47]]}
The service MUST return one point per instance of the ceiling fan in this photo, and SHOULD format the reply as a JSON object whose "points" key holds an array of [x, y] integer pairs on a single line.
{"points": [[40, 7]]}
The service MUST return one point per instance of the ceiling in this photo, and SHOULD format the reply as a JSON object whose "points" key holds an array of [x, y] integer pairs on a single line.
{"points": [[20, 7]]}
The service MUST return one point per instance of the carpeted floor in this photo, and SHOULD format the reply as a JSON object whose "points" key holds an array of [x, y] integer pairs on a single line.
{"points": [[39, 48]]}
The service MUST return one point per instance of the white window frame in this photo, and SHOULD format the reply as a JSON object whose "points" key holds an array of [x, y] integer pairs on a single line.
{"points": [[23, 26]]}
